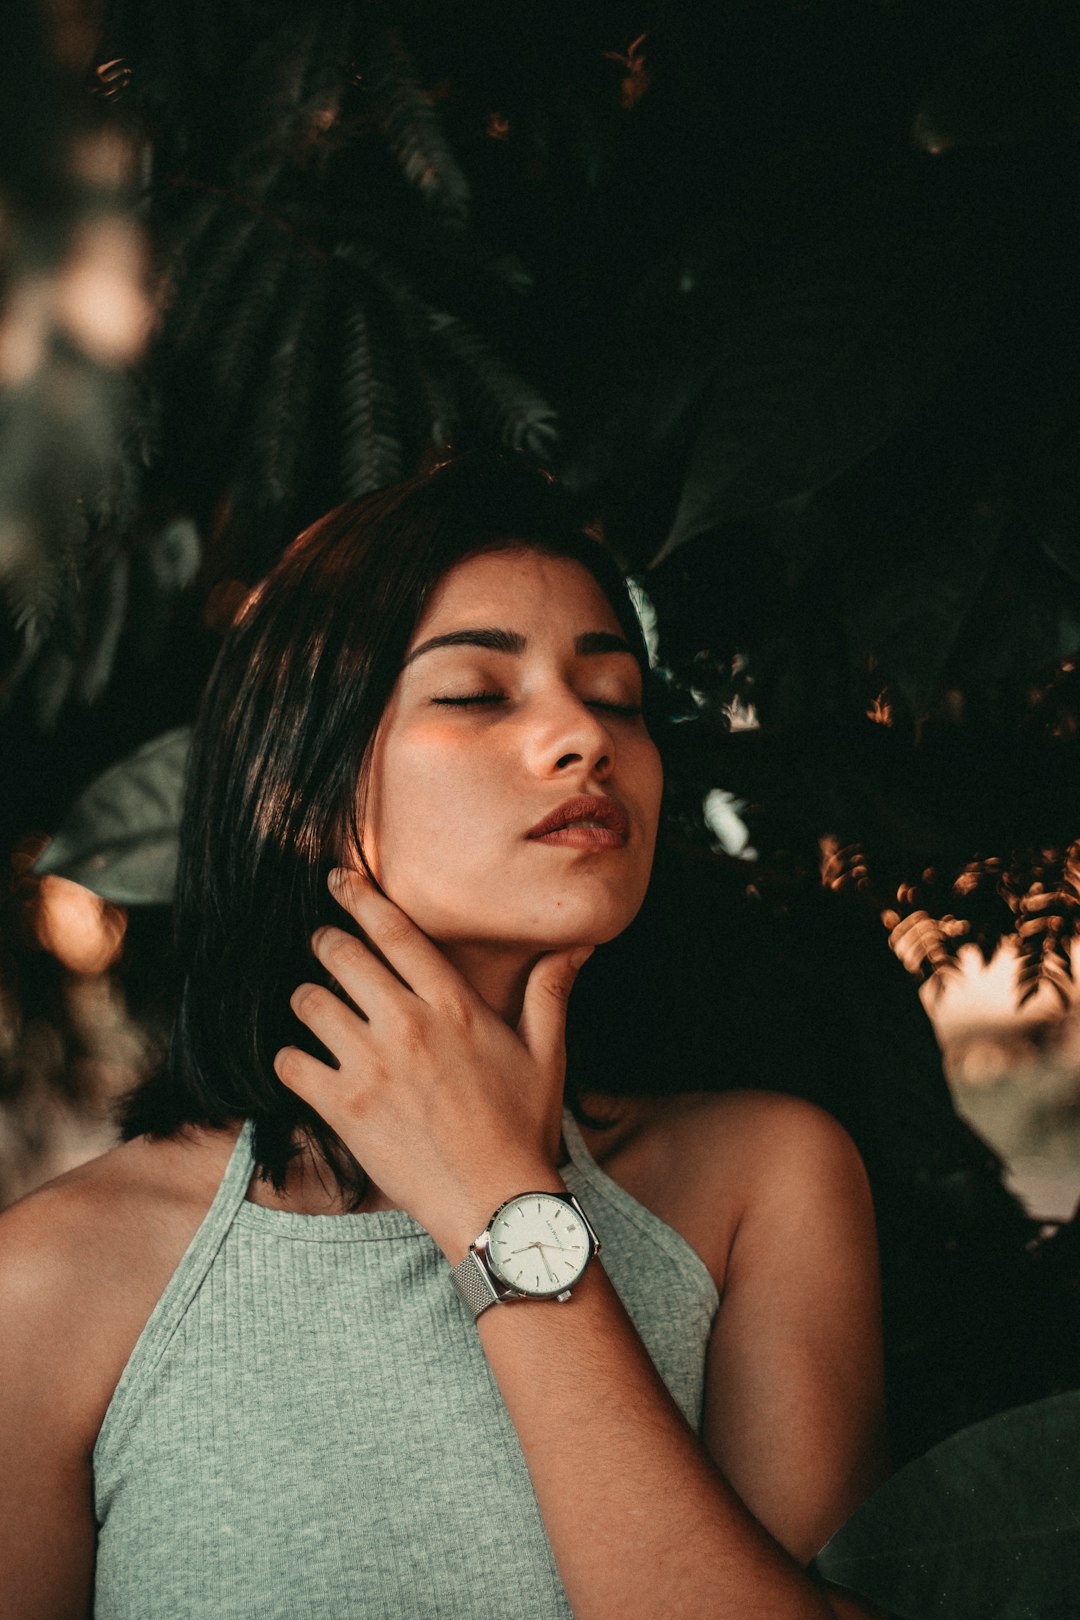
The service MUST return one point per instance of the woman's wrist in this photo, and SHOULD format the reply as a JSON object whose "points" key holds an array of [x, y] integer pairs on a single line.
{"points": [[456, 1229]]}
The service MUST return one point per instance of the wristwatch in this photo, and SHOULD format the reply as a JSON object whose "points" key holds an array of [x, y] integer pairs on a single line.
{"points": [[535, 1246]]}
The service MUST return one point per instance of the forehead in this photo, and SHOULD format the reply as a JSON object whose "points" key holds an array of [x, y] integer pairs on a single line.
{"points": [[514, 588]]}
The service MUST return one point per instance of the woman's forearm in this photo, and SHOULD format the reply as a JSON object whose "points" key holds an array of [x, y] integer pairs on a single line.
{"points": [[640, 1519]]}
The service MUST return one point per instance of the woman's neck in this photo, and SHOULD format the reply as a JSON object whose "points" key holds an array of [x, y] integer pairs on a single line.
{"points": [[499, 977]]}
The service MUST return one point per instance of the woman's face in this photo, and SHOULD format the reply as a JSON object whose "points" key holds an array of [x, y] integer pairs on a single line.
{"points": [[533, 703]]}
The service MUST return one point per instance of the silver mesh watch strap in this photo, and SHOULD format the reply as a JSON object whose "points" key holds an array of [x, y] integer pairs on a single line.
{"points": [[474, 1285]]}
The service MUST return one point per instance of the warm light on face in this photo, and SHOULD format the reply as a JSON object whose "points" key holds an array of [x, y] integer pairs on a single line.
{"points": [[486, 733]]}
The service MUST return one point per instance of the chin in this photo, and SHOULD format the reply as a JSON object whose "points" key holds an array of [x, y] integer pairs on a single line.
{"points": [[578, 925], [555, 921]]}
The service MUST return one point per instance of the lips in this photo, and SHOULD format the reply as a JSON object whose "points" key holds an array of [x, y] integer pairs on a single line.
{"points": [[594, 808]]}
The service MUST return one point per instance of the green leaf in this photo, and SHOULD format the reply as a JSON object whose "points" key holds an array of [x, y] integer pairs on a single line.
{"points": [[119, 838], [907, 596], [986, 1526], [822, 356], [1050, 494], [412, 127], [505, 407], [370, 410], [285, 386], [1009, 81]]}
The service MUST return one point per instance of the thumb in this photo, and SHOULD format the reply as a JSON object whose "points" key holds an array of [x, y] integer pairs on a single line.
{"points": [[542, 1025]]}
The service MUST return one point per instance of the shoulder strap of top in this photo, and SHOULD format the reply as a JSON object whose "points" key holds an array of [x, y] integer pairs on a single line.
{"points": [[652, 1226], [180, 1290]]}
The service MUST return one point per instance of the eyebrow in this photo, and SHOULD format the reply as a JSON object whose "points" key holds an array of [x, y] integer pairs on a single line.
{"points": [[587, 645]]}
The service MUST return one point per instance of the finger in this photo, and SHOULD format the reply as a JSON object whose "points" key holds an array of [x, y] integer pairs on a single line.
{"points": [[406, 947], [369, 983], [542, 1025], [304, 1074], [327, 1016]]}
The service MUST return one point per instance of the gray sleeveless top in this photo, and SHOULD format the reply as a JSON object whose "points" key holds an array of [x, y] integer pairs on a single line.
{"points": [[308, 1429]]}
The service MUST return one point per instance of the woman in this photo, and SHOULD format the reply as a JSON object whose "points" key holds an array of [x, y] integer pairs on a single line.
{"points": [[273, 1355]]}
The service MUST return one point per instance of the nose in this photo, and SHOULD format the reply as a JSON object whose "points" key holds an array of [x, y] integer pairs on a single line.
{"points": [[568, 733]]}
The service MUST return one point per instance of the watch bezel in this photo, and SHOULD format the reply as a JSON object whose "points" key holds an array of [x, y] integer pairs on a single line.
{"points": [[515, 1290]]}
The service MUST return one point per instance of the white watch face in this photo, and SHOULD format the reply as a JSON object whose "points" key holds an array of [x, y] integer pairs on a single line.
{"points": [[538, 1245]]}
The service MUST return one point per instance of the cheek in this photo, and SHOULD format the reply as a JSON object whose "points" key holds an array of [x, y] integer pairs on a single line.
{"points": [[425, 812], [647, 772]]}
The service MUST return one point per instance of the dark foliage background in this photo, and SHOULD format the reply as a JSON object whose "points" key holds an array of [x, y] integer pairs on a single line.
{"points": [[786, 293]]}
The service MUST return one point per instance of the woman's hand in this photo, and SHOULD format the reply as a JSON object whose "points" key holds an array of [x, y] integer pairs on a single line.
{"points": [[447, 1108]]}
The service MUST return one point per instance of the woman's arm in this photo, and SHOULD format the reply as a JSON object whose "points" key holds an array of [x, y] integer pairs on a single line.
{"points": [[794, 1411], [46, 1505], [452, 1112], [642, 1521]]}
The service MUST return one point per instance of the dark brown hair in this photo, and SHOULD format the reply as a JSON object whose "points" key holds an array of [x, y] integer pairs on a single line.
{"points": [[299, 687]]}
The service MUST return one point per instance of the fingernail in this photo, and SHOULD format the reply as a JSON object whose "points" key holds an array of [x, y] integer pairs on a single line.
{"points": [[579, 958]]}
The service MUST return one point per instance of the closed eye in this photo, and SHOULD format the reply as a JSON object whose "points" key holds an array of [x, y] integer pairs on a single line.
{"points": [[628, 709]]}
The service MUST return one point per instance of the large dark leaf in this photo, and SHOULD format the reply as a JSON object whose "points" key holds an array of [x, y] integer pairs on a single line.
{"points": [[986, 1526], [1013, 78], [1050, 494], [830, 347], [907, 597], [120, 836]]}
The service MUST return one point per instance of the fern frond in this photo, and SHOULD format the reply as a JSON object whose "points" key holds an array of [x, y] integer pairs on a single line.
{"points": [[243, 328], [284, 389], [393, 304], [186, 215], [978, 898], [57, 433], [327, 71], [926, 947], [203, 285], [293, 86], [114, 501], [1046, 900], [54, 675], [440, 400], [844, 867], [505, 407], [30, 582], [370, 410], [105, 599], [412, 128]]}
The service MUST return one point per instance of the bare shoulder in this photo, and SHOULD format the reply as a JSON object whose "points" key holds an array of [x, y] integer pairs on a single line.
{"points": [[740, 1139], [764, 1152], [767, 1130], [75, 1224], [82, 1262], [710, 1163], [84, 1258]]}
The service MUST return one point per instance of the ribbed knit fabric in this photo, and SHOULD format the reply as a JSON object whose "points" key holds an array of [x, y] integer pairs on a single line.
{"points": [[308, 1428]]}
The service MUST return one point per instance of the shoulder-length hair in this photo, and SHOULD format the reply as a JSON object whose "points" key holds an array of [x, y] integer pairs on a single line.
{"points": [[271, 805]]}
